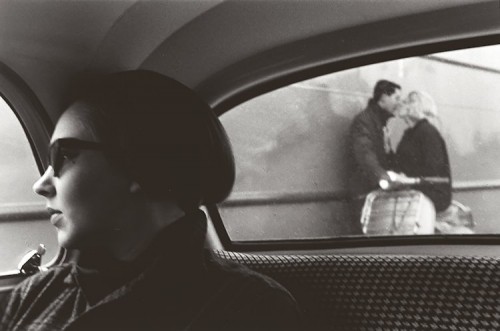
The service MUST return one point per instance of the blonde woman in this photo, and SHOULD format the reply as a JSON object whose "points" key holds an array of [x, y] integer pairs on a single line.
{"points": [[422, 151]]}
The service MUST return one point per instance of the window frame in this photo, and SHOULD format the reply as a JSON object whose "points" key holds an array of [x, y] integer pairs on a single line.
{"points": [[37, 128], [289, 77]]}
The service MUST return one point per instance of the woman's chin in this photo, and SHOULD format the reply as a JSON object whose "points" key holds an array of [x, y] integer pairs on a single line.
{"points": [[65, 239]]}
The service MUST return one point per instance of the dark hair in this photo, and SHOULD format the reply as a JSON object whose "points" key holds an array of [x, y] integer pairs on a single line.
{"points": [[384, 87], [166, 137]]}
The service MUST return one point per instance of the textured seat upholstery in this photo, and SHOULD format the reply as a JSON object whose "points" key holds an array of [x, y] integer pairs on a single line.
{"points": [[380, 292]]}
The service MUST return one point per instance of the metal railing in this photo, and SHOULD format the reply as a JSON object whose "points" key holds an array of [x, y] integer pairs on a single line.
{"points": [[255, 198], [23, 212]]}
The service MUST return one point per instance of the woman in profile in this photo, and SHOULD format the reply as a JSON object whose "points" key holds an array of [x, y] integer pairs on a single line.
{"points": [[131, 159], [422, 151]]}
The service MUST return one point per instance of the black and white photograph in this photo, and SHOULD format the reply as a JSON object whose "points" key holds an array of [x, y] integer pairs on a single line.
{"points": [[247, 165]]}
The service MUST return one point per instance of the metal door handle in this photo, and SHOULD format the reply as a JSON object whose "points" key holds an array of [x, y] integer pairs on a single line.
{"points": [[31, 263]]}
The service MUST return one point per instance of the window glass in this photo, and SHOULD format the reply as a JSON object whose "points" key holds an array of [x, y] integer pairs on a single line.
{"points": [[292, 149], [23, 220]]}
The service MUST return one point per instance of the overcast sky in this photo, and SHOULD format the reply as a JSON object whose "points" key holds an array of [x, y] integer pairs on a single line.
{"points": [[488, 56]]}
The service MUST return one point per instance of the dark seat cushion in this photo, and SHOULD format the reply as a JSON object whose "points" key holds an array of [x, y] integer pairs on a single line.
{"points": [[381, 292]]}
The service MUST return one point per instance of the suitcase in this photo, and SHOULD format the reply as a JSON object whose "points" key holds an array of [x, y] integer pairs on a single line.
{"points": [[456, 219], [399, 212]]}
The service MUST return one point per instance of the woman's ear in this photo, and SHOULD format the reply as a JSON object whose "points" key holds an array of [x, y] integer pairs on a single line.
{"points": [[135, 187]]}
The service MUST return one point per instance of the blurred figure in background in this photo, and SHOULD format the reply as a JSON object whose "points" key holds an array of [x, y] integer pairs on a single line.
{"points": [[422, 151], [368, 145]]}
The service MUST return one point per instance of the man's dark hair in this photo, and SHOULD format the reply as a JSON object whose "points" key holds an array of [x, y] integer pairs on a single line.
{"points": [[166, 137], [384, 87]]}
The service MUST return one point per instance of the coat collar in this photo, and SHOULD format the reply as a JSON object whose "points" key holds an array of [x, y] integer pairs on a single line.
{"points": [[175, 254], [382, 114], [413, 128]]}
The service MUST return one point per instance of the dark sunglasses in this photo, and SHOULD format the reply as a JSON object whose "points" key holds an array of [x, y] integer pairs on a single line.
{"points": [[60, 150]]}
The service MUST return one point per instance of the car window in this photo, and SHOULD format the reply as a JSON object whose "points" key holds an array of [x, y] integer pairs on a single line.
{"points": [[291, 146], [23, 220]]}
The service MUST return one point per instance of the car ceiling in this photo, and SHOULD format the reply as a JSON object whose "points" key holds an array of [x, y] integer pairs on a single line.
{"points": [[206, 44]]}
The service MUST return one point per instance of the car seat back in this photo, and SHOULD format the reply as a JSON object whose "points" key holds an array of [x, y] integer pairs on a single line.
{"points": [[386, 292]]}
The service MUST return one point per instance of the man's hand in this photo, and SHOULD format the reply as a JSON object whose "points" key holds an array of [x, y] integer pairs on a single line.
{"points": [[394, 180]]}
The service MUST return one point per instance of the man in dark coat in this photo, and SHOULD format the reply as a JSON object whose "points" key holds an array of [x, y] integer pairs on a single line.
{"points": [[367, 145]]}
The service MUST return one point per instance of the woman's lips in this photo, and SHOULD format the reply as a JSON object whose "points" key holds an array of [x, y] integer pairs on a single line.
{"points": [[55, 215], [54, 219]]}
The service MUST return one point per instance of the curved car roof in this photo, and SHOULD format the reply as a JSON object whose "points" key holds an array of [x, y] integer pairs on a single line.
{"points": [[220, 48]]}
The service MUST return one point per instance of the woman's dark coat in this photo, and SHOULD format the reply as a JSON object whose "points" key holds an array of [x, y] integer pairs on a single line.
{"points": [[422, 153]]}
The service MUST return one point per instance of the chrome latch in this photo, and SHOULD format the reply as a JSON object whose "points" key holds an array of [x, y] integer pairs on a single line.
{"points": [[31, 263]]}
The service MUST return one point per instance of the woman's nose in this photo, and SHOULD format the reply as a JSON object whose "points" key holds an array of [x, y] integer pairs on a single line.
{"points": [[44, 186]]}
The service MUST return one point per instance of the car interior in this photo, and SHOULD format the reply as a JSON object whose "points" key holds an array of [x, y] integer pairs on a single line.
{"points": [[285, 78]]}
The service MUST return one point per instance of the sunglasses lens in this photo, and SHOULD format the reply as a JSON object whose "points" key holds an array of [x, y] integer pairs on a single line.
{"points": [[64, 148], [54, 158]]}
